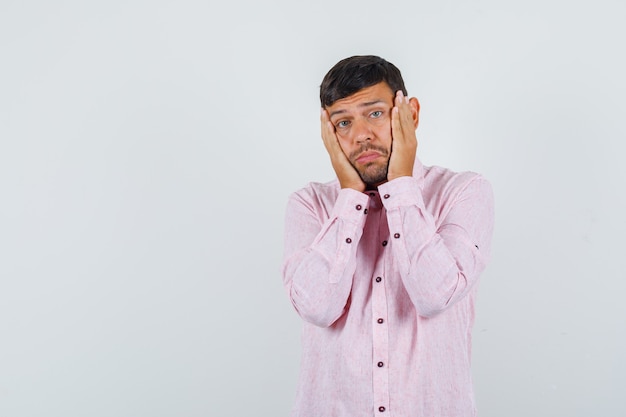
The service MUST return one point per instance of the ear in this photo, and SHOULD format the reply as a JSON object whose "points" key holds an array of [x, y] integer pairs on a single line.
{"points": [[415, 110]]}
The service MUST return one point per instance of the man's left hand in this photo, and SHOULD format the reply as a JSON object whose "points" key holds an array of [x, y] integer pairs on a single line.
{"points": [[404, 118]]}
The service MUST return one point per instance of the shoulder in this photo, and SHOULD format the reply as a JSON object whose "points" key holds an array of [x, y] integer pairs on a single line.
{"points": [[440, 179], [439, 176], [443, 186], [316, 196]]}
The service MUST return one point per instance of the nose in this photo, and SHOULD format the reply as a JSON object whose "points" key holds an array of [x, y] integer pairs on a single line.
{"points": [[362, 131]]}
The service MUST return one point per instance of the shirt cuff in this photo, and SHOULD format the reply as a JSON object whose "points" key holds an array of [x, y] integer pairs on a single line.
{"points": [[401, 192], [350, 205]]}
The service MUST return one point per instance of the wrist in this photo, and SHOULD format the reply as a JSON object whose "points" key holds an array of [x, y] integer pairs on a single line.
{"points": [[393, 176], [357, 187]]}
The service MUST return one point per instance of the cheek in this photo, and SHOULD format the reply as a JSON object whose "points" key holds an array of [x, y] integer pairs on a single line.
{"points": [[382, 124], [384, 134], [344, 142]]}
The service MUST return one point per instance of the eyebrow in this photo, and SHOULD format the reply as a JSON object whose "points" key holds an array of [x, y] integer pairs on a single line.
{"points": [[368, 104]]}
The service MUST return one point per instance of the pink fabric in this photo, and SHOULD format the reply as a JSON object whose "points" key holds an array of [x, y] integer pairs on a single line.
{"points": [[385, 282]]}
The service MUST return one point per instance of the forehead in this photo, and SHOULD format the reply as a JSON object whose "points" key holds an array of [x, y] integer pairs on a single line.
{"points": [[376, 93]]}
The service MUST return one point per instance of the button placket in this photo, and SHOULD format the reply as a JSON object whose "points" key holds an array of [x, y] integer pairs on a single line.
{"points": [[380, 343], [380, 334]]}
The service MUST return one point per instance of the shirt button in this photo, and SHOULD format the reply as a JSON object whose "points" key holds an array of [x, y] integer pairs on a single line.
{"points": [[372, 194], [348, 240], [396, 235], [380, 321], [365, 211], [378, 279], [358, 207], [381, 409], [386, 196], [384, 243], [380, 364]]}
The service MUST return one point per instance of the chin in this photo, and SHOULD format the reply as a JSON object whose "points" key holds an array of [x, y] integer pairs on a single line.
{"points": [[375, 177]]}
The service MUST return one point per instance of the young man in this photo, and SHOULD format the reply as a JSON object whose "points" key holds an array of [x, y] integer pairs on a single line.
{"points": [[382, 263]]}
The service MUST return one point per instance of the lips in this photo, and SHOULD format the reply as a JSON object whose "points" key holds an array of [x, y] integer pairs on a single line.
{"points": [[368, 156]]}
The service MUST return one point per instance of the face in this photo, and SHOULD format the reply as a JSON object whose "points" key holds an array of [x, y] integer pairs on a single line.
{"points": [[363, 127]]}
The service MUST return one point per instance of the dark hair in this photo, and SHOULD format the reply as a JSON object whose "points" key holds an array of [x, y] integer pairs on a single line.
{"points": [[356, 73]]}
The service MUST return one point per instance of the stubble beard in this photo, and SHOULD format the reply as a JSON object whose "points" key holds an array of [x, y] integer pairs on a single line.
{"points": [[372, 173]]}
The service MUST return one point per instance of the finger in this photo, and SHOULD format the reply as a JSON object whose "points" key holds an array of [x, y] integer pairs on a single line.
{"points": [[330, 137], [396, 127], [324, 119], [396, 116], [408, 115], [403, 106], [399, 98], [404, 115], [328, 131]]}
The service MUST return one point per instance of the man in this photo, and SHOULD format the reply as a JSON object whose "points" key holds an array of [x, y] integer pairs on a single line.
{"points": [[382, 263]]}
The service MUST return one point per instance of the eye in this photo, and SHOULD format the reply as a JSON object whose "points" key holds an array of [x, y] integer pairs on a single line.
{"points": [[376, 114], [343, 124]]}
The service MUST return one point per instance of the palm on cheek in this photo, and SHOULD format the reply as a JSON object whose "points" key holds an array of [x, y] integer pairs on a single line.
{"points": [[347, 175], [404, 141]]}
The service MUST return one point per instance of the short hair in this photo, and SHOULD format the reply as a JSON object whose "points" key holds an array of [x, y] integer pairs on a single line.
{"points": [[356, 73]]}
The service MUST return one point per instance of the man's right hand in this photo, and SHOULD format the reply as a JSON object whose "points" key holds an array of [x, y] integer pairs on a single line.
{"points": [[347, 175]]}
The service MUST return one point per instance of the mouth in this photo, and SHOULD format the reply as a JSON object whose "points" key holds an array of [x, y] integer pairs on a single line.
{"points": [[368, 156]]}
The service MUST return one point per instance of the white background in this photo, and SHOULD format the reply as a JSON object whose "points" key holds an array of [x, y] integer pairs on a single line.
{"points": [[148, 149]]}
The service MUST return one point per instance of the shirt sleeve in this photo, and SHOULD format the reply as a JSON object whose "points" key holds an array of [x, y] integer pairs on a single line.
{"points": [[320, 254], [439, 263]]}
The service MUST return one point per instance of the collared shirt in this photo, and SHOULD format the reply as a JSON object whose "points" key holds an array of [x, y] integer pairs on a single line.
{"points": [[385, 282]]}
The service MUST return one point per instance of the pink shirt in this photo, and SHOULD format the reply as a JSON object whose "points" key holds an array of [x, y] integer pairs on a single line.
{"points": [[385, 282]]}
